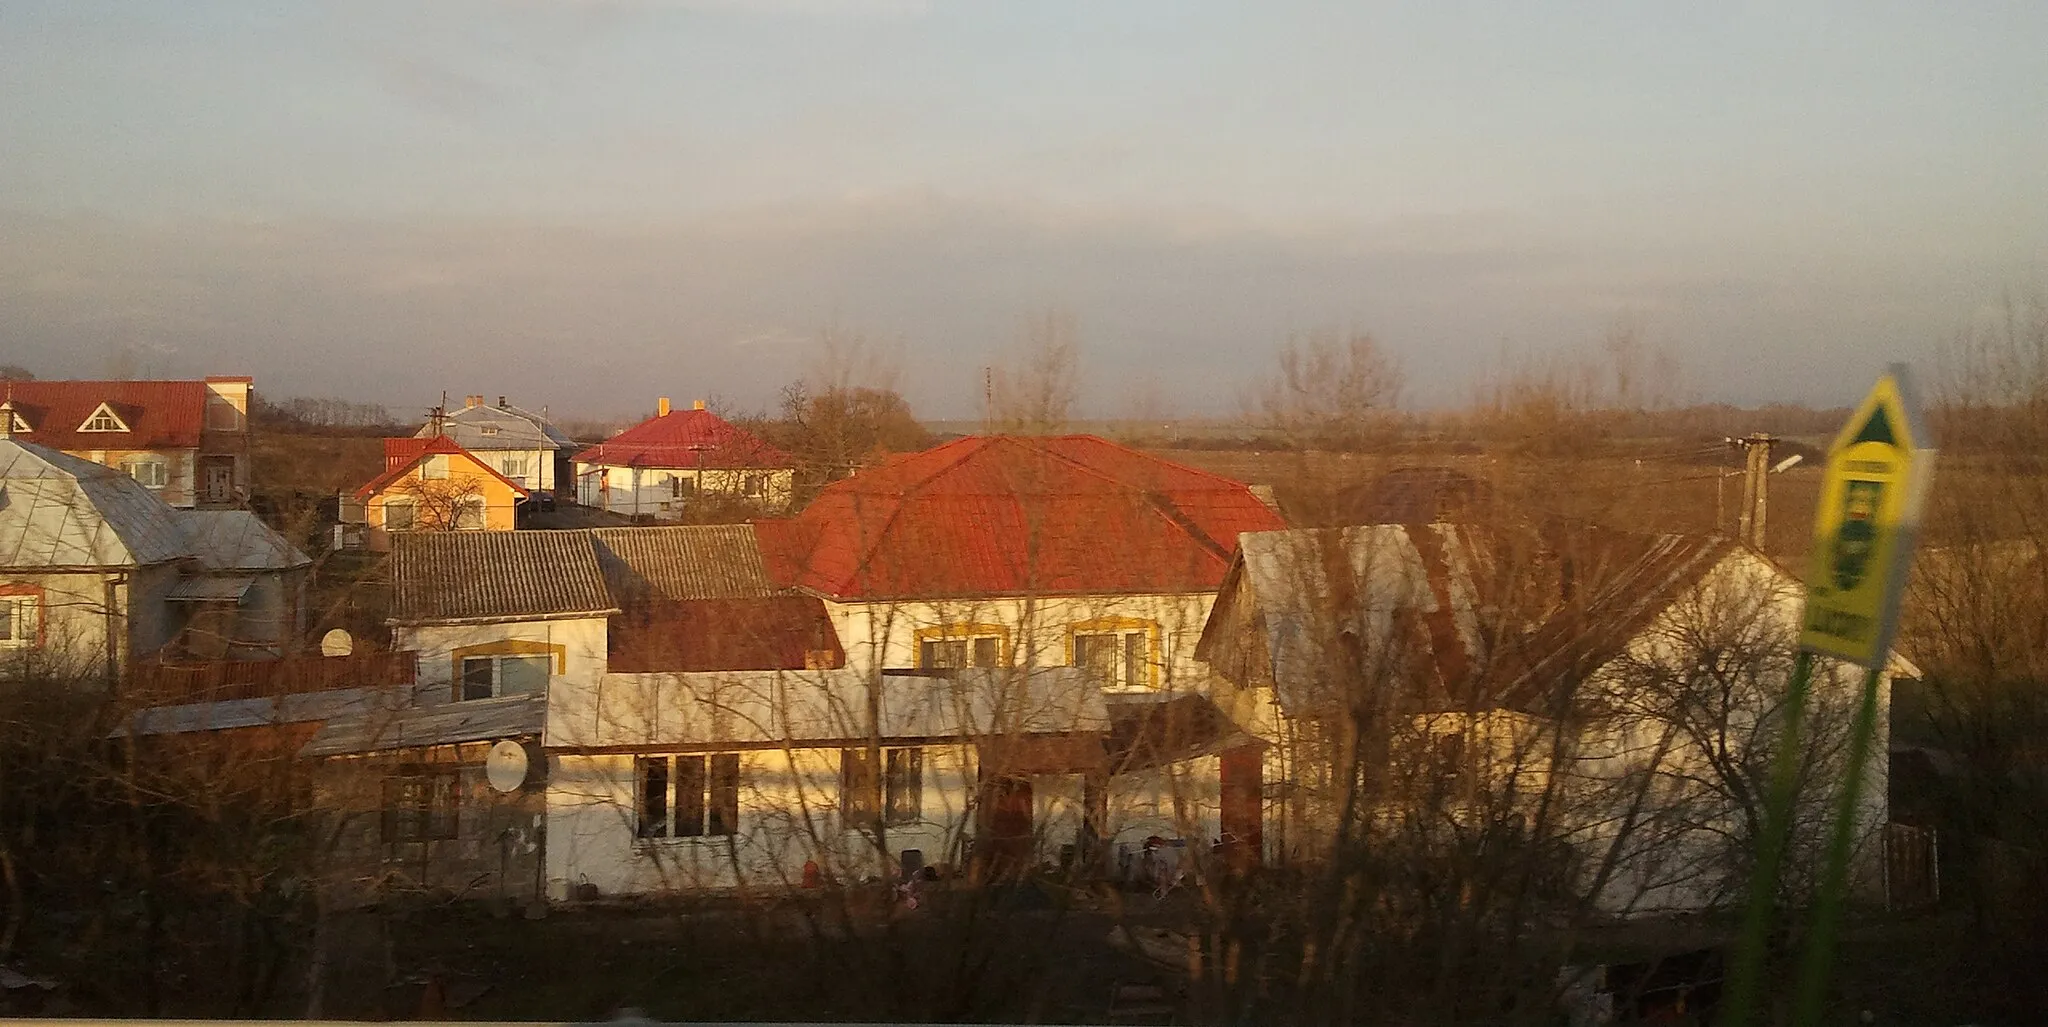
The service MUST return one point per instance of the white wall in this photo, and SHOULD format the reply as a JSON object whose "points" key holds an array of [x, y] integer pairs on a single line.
{"points": [[583, 642], [886, 634], [628, 490]]}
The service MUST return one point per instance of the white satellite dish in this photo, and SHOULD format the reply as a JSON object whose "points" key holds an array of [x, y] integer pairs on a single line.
{"points": [[505, 767], [337, 643]]}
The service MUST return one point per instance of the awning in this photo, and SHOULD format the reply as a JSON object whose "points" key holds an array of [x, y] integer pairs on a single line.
{"points": [[226, 589]]}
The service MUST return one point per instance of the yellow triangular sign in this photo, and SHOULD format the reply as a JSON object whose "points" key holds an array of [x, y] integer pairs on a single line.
{"points": [[1877, 475]]}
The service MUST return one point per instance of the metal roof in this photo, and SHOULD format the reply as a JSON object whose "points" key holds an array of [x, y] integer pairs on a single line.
{"points": [[215, 589], [516, 429], [58, 510], [237, 540], [707, 561], [409, 727], [159, 415], [828, 705], [686, 439], [496, 575], [1006, 515], [230, 714]]}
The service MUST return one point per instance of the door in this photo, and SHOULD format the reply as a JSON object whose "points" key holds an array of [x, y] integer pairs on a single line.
{"points": [[217, 479], [1242, 780], [1003, 827]]}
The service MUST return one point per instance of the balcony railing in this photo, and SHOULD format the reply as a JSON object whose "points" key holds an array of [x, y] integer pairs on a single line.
{"points": [[174, 682]]}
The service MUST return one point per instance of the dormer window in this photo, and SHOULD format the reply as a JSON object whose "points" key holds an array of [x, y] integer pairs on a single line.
{"points": [[20, 426], [104, 420], [489, 429]]}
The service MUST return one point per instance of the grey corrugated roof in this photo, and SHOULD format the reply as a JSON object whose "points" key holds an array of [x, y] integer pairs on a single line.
{"points": [[475, 720], [237, 540], [229, 714], [517, 429], [698, 561], [495, 575], [213, 588], [57, 510]]}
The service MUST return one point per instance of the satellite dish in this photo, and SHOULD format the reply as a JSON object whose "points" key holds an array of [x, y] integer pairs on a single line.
{"points": [[1787, 463], [337, 643], [505, 767]]}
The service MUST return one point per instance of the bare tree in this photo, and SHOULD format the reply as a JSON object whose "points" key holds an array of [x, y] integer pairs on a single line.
{"points": [[1036, 392], [1333, 392]]}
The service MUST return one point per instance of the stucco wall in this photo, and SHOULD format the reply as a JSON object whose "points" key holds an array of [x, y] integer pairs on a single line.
{"points": [[579, 644], [1037, 632], [650, 492]]}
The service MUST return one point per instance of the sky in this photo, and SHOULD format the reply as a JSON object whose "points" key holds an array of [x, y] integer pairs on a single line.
{"points": [[583, 204]]}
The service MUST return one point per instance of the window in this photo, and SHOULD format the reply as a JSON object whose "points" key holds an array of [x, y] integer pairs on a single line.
{"points": [[687, 796], [103, 419], [754, 485], [469, 513], [1119, 659], [435, 467], [513, 467], [152, 473], [398, 515], [679, 486], [488, 429], [19, 622], [488, 677], [979, 651], [222, 415], [420, 804], [898, 795], [20, 426]]}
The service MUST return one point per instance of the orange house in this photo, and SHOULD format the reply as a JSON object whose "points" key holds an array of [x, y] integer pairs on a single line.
{"points": [[434, 485]]}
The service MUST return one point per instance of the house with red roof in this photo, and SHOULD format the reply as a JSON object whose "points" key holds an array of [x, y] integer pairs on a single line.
{"points": [[1019, 553], [431, 485], [185, 441], [658, 468]]}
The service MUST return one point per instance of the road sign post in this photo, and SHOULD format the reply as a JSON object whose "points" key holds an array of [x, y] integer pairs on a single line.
{"points": [[1878, 471]]}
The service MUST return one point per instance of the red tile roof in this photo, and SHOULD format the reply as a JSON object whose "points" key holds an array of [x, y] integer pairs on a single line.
{"points": [[402, 455], [789, 632], [159, 415], [685, 439], [1005, 515]]}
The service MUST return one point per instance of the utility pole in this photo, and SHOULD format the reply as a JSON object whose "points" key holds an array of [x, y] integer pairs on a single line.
{"points": [[1756, 489]]}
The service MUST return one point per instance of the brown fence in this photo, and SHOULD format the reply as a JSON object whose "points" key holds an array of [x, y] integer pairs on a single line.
{"points": [[170, 683]]}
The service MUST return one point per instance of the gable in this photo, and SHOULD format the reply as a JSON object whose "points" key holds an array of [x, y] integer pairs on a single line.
{"points": [[103, 419]]}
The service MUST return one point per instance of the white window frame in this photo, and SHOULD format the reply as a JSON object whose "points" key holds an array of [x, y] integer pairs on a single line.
{"points": [[472, 514], [110, 421], [434, 467], [497, 670], [1127, 638], [160, 468], [24, 622], [20, 424], [412, 518]]}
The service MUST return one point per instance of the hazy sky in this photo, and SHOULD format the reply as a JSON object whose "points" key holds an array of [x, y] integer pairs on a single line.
{"points": [[586, 203]]}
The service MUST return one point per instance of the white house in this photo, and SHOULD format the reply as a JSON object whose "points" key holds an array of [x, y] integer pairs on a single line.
{"points": [[97, 573], [659, 468], [1643, 639], [520, 444]]}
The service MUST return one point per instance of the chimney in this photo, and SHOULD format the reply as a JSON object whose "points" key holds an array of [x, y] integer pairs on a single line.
{"points": [[698, 405], [472, 401], [502, 404], [661, 407]]}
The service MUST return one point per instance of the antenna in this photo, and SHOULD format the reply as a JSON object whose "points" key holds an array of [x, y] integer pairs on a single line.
{"points": [[1786, 464], [505, 767], [337, 643]]}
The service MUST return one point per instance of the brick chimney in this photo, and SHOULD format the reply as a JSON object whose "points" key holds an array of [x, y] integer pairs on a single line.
{"points": [[698, 405], [661, 407]]}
